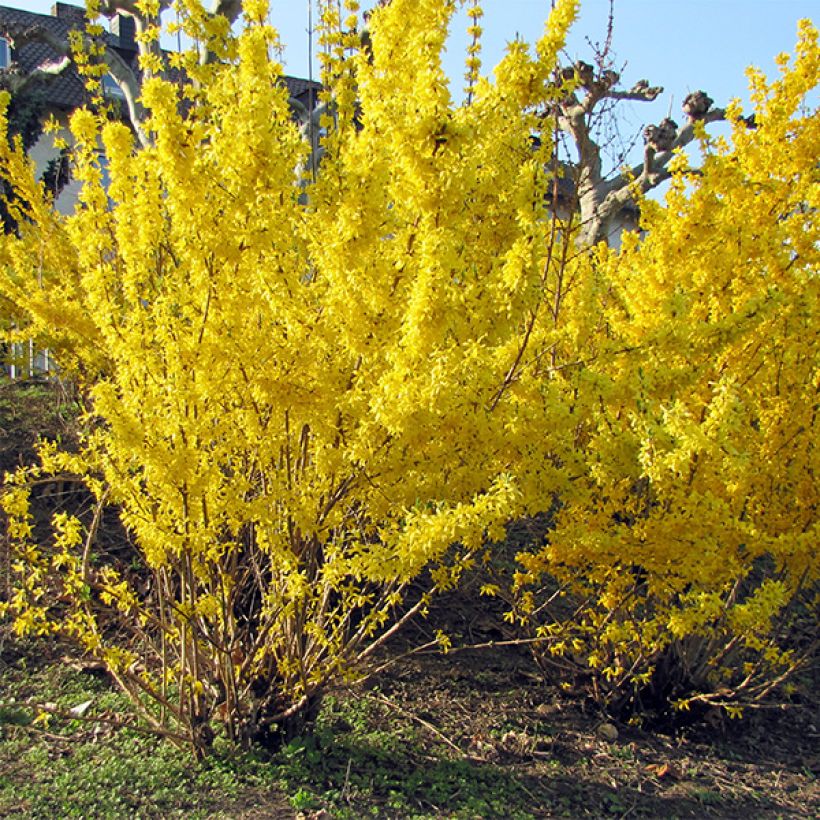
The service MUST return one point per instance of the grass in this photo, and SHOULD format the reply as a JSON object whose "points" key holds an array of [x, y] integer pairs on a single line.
{"points": [[358, 761], [359, 754], [59, 768], [426, 743]]}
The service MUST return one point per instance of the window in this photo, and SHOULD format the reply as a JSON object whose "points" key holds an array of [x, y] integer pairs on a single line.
{"points": [[5, 53], [111, 89]]}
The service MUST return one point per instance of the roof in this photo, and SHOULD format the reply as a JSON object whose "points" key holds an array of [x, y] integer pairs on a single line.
{"points": [[302, 89], [67, 90]]}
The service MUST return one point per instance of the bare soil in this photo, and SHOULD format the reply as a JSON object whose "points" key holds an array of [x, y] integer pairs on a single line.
{"points": [[496, 709]]}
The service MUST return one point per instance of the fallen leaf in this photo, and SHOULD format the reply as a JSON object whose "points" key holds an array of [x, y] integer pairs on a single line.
{"points": [[661, 770], [81, 708]]}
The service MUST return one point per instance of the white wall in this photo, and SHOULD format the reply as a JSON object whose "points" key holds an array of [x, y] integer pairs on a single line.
{"points": [[44, 151]]}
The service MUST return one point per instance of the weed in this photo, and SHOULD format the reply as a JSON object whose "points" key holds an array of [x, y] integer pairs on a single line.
{"points": [[707, 797], [65, 768]]}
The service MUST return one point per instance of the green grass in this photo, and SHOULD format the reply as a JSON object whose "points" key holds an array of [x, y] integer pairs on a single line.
{"points": [[360, 760], [68, 768], [359, 756]]}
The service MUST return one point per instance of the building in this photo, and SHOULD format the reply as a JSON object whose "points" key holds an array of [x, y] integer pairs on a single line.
{"points": [[63, 92], [28, 43]]}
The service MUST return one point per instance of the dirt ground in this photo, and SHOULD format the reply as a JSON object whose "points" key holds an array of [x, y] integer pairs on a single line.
{"points": [[493, 708], [497, 710]]}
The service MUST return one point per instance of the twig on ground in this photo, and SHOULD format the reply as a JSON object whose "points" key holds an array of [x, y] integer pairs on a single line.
{"points": [[344, 795], [66, 714], [427, 725]]}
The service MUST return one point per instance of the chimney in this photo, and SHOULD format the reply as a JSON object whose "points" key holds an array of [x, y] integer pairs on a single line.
{"points": [[69, 13], [124, 28]]}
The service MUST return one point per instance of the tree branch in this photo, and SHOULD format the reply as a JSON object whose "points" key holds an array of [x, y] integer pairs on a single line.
{"points": [[600, 199], [17, 36], [126, 78], [640, 92], [110, 8], [17, 82], [20, 36], [149, 49], [653, 172], [684, 136]]}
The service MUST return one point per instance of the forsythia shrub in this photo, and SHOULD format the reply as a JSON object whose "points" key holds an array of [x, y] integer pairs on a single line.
{"points": [[688, 548], [300, 394]]}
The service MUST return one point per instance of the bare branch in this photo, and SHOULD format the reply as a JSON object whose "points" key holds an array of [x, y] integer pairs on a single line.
{"points": [[697, 104], [661, 142], [17, 82], [51, 68], [640, 92], [148, 47], [661, 137], [227, 8], [19, 36], [120, 70], [684, 136], [126, 78], [648, 159], [599, 199]]}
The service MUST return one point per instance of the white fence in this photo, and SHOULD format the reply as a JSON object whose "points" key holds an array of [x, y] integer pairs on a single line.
{"points": [[23, 360]]}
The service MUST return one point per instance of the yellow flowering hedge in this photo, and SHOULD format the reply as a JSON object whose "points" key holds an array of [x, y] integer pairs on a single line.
{"points": [[689, 544], [301, 394], [304, 394]]}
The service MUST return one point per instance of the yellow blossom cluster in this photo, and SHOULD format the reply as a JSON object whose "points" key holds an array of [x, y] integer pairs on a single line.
{"points": [[692, 532], [306, 391]]}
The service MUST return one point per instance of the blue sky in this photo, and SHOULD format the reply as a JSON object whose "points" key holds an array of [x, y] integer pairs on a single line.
{"points": [[682, 45]]}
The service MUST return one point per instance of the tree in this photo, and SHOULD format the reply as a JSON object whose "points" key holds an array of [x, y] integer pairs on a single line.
{"points": [[90, 52], [601, 199]]}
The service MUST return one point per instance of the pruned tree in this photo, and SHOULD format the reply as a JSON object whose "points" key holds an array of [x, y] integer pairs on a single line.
{"points": [[599, 197]]}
